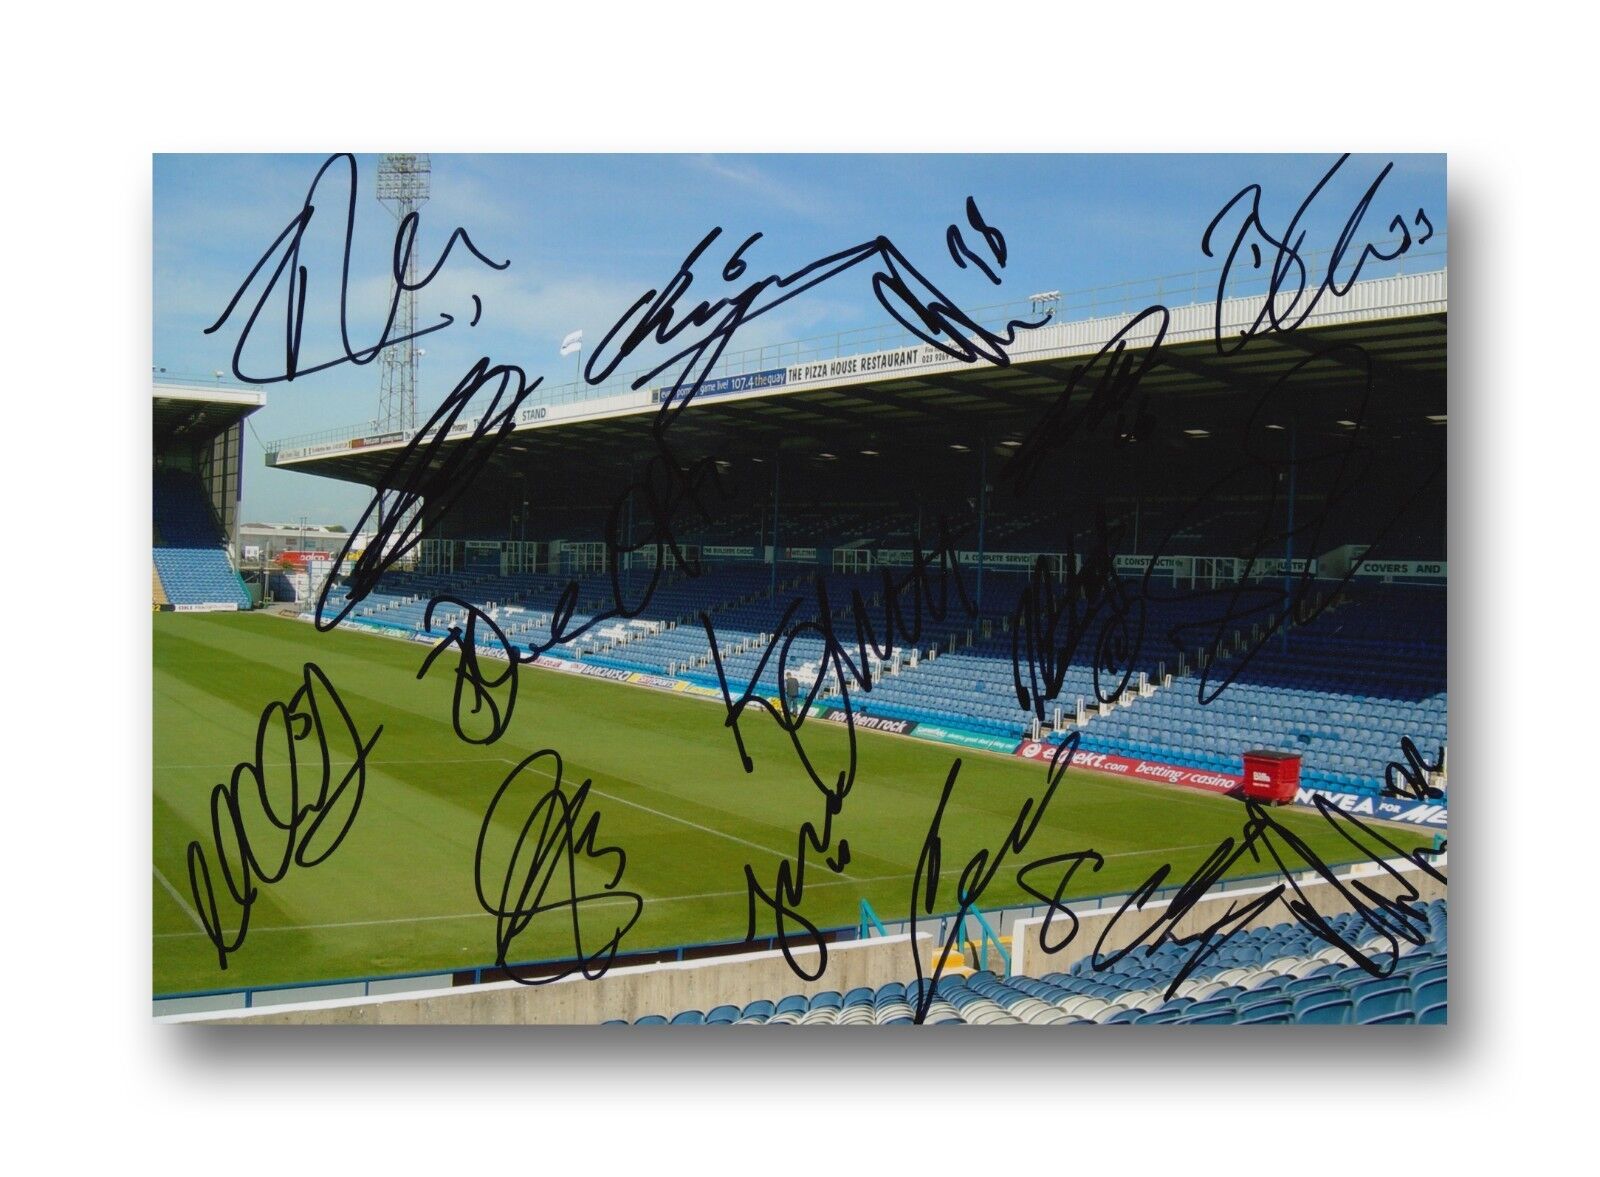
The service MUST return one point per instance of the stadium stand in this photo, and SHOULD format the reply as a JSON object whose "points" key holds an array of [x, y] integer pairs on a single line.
{"points": [[1271, 976], [879, 462], [1342, 690], [197, 431], [874, 468], [191, 560]]}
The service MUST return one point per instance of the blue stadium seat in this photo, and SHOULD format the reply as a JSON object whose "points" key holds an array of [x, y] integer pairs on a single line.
{"points": [[1399, 1017], [1321, 1012]]}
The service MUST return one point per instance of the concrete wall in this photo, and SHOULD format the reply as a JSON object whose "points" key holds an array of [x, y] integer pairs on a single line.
{"points": [[1030, 959], [668, 989], [630, 993]]}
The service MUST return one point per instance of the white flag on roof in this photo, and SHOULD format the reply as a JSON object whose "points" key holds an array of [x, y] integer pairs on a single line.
{"points": [[572, 343]]}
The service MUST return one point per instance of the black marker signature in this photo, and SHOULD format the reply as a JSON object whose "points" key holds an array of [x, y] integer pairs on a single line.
{"points": [[981, 868], [668, 485], [494, 693], [1116, 376], [426, 479], [790, 886], [262, 825], [1051, 622], [928, 585], [671, 483], [286, 248], [900, 288], [1290, 271], [1411, 777], [540, 874], [1393, 918], [1304, 596], [412, 495], [933, 584]]}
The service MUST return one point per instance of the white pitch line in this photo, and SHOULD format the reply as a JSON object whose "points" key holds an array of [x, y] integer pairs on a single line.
{"points": [[187, 910], [543, 772], [1163, 850], [599, 899], [426, 919], [668, 816]]}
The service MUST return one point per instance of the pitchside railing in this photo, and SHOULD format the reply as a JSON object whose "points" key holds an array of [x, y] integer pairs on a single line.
{"points": [[939, 925]]}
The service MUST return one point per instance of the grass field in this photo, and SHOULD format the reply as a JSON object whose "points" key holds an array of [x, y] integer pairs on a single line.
{"points": [[398, 894]]}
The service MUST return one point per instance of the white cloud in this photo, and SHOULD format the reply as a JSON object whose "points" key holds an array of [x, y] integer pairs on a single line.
{"points": [[806, 204]]}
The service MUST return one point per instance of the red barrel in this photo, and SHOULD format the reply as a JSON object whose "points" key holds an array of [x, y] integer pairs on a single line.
{"points": [[1271, 776]]}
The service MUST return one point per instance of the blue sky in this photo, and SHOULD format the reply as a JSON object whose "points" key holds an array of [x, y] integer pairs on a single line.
{"points": [[587, 234]]}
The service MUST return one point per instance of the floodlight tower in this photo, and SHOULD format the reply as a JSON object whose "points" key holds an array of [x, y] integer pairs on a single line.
{"points": [[402, 188]]}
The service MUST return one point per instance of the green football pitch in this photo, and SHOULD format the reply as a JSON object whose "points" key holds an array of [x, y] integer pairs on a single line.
{"points": [[398, 893]]}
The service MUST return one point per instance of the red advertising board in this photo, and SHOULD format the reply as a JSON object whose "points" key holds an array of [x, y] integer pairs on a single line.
{"points": [[301, 559], [1137, 768]]}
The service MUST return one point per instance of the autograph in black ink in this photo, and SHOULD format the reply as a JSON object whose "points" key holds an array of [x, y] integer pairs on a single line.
{"points": [[1053, 617], [933, 583], [1051, 624], [492, 693], [900, 288], [1390, 918], [930, 583], [790, 887], [296, 279], [667, 486], [426, 479], [539, 875], [1412, 777], [1290, 272], [266, 819], [982, 867], [656, 317]]}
